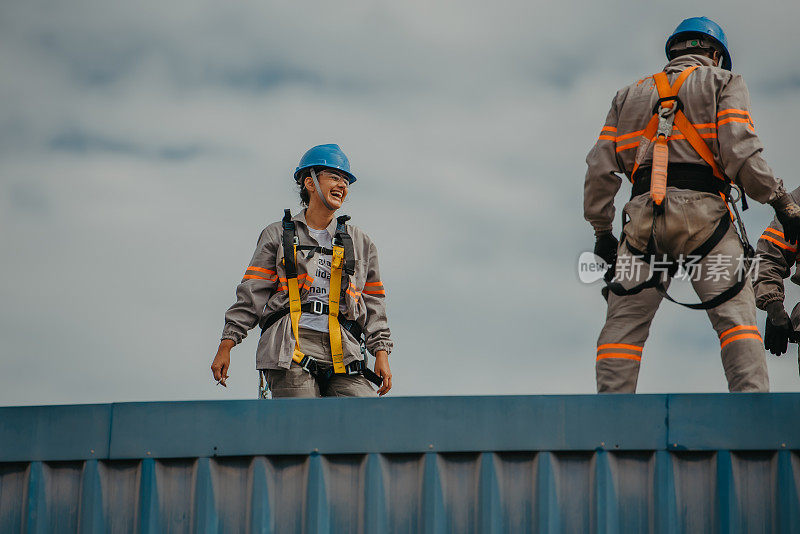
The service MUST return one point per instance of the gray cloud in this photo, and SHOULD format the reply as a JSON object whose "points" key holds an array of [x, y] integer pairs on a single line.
{"points": [[148, 144], [84, 143]]}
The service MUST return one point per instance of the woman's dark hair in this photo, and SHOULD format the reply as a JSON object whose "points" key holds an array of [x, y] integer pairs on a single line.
{"points": [[305, 198]]}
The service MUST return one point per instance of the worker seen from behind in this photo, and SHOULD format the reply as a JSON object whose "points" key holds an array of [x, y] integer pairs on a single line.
{"points": [[685, 140], [776, 258], [314, 288]]}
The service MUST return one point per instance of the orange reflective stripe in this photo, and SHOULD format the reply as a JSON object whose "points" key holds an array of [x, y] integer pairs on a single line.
{"points": [[628, 136], [609, 129], [737, 328], [740, 336], [735, 119], [283, 288], [731, 110], [776, 232], [703, 136], [256, 277], [373, 284], [260, 269], [606, 138], [378, 292], [354, 293], [620, 346], [773, 240], [628, 146], [619, 355], [705, 125]]}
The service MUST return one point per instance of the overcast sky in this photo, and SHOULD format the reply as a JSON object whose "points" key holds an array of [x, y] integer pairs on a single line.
{"points": [[144, 145]]}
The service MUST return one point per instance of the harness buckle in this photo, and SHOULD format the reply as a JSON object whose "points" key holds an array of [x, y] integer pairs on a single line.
{"points": [[317, 307], [309, 365], [677, 107], [355, 368], [304, 363]]}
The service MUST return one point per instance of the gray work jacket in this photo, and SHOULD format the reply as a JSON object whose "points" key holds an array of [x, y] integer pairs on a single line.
{"points": [[263, 290], [776, 257], [715, 101]]}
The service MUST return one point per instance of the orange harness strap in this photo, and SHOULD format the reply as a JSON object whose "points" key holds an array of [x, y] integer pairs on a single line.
{"points": [[680, 121]]}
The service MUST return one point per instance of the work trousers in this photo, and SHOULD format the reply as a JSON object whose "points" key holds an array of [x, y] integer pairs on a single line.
{"points": [[689, 219], [297, 382]]}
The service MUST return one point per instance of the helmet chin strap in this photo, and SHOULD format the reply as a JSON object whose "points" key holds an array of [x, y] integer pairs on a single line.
{"points": [[319, 190]]}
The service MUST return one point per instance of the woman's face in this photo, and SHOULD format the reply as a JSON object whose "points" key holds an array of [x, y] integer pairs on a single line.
{"points": [[334, 186]]}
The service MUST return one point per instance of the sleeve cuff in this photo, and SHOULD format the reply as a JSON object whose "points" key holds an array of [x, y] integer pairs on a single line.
{"points": [[600, 231], [386, 345], [762, 303], [232, 336]]}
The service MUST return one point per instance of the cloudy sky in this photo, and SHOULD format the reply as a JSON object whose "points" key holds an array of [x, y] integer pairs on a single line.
{"points": [[144, 145]]}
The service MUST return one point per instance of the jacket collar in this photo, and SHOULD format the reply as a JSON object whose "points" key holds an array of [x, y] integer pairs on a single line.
{"points": [[301, 217], [688, 60]]}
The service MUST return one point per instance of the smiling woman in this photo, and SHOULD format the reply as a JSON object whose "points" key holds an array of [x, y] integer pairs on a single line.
{"points": [[313, 286], [333, 179]]}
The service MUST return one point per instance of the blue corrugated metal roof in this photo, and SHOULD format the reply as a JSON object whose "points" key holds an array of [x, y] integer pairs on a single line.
{"points": [[662, 463]]}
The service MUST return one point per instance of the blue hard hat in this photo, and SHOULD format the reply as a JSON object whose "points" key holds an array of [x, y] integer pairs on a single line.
{"points": [[330, 156], [702, 27]]}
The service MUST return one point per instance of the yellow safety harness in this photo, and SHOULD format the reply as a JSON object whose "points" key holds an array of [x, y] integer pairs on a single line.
{"points": [[343, 261]]}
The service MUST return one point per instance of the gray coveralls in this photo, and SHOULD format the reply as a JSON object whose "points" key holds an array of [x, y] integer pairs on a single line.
{"points": [[263, 290], [776, 258], [716, 102]]}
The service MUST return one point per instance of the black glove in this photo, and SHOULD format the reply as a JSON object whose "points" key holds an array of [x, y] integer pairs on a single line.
{"points": [[778, 330], [605, 246], [788, 213]]}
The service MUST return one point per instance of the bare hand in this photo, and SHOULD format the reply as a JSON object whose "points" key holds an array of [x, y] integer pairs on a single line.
{"points": [[222, 362], [382, 370]]}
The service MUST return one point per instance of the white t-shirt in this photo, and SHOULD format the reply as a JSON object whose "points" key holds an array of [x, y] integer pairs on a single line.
{"points": [[322, 282]]}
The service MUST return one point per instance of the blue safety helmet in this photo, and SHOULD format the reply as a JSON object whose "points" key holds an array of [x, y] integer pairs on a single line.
{"points": [[702, 27], [330, 156]]}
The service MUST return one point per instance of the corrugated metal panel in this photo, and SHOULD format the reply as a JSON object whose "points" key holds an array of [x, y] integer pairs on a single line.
{"points": [[436, 475]]}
